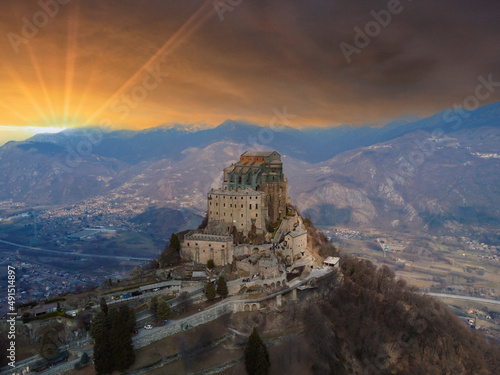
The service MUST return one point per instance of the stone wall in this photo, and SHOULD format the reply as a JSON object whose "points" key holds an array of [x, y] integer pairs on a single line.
{"points": [[200, 247], [200, 318], [238, 208], [185, 324], [297, 241], [276, 199]]}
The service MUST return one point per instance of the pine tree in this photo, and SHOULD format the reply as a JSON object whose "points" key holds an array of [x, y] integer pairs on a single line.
{"points": [[210, 264], [163, 310], [210, 291], [112, 334], [122, 348], [84, 359], [99, 330], [222, 287], [104, 306], [153, 306], [256, 356], [174, 242], [129, 317]]}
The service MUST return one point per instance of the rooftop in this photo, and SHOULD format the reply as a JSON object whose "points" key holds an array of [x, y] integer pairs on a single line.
{"points": [[44, 308], [258, 153], [297, 233], [233, 193], [331, 261], [208, 237]]}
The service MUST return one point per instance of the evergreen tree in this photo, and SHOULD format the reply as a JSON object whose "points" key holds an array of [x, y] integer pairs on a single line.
{"points": [[129, 317], [122, 348], [104, 306], [256, 355], [174, 242], [210, 291], [262, 362], [99, 330], [210, 264], [112, 334], [222, 287], [163, 310], [84, 359], [153, 306]]}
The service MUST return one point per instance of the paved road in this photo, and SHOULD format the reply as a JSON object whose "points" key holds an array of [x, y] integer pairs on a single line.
{"points": [[469, 298], [65, 366], [75, 253]]}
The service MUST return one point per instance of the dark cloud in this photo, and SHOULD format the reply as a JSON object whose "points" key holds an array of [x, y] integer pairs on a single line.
{"points": [[262, 55]]}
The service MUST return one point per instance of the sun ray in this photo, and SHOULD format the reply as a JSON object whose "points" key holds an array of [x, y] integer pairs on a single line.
{"points": [[196, 20], [24, 88], [41, 81], [84, 94], [73, 23], [14, 112]]}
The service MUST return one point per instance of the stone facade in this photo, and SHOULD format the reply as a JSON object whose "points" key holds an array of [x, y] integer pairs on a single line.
{"points": [[201, 247], [260, 171], [239, 208], [297, 240], [254, 194]]}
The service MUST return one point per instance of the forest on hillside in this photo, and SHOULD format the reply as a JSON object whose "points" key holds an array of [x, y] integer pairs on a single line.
{"points": [[367, 321]]}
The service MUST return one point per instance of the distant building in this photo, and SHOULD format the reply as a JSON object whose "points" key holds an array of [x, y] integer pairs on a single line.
{"points": [[88, 233], [45, 309], [332, 262], [199, 275]]}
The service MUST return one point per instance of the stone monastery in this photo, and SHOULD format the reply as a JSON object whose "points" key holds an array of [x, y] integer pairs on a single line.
{"points": [[250, 220]]}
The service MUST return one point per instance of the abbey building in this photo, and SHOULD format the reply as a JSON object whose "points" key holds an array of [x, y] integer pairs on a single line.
{"points": [[247, 212], [254, 194]]}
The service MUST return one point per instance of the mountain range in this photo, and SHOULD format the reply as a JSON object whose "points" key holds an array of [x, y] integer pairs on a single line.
{"points": [[437, 174]]}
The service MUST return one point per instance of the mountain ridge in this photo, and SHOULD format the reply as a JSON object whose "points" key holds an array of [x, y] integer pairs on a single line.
{"points": [[435, 175]]}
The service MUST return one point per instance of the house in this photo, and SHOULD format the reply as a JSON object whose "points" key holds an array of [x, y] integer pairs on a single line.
{"points": [[45, 309], [332, 262], [199, 275]]}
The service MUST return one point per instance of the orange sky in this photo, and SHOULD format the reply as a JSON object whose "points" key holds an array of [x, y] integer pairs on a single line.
{"points": [[138, 64]]}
